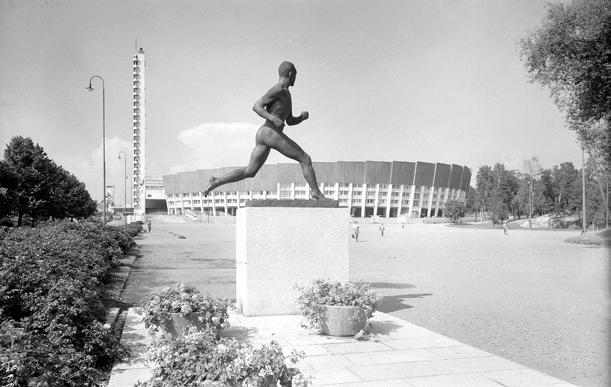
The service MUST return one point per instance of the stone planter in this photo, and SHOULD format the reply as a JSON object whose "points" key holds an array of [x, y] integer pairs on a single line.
{"points": [[343, 320], [178, 325]]}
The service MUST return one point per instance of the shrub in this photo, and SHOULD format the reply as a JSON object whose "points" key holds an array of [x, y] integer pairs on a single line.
{"points": [[184, 299], [134, 228], [200, 359], [51, 308], [313, 298]]}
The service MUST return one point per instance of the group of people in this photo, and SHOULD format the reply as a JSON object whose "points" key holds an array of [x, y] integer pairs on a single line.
{"points": [[356, 230]]}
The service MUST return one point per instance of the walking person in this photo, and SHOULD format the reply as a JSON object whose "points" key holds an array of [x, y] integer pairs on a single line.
{"points": [[355, 231], [505, 230], [148, 226], [381, 228]]}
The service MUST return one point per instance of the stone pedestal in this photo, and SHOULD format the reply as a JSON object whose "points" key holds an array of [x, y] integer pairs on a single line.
{"points": [[280, 243]]}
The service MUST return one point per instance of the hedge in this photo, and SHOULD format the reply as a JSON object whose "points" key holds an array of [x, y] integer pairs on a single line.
{"points": [[52, 320]]}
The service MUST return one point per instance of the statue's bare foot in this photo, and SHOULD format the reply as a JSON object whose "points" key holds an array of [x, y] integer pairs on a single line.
{"points": [[211, 186], [318, 196]]}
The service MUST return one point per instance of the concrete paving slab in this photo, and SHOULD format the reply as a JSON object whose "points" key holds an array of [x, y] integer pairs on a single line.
{"points": [[379, 383], [522, 378], [357, 346], [129, 377], [326, 376], [430, 360], [397, 370], [399, 356], [328, 361], [477, 364], [466, 380], [458, 352]]}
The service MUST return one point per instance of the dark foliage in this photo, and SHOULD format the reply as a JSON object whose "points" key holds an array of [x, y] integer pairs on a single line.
{"points": [[51, 314]]}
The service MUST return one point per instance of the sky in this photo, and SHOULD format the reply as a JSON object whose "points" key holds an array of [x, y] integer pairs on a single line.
{"points": [[428, 80]]}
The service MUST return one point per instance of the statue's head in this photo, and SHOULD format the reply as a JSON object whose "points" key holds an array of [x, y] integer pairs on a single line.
{"points": [[287, 70]]}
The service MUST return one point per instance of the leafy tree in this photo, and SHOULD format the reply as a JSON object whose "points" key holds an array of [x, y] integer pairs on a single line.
{"points": [[564, 179], [455, 210], [8, 182], [471, 205], [484, 185], [569, 54], [30, 162], [599, 177], [37, 188]]}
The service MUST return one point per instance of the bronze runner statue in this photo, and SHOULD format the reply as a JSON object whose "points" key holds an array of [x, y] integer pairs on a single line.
{"points": [[276, 108]]}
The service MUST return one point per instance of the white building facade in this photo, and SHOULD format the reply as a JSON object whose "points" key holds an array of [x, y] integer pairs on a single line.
{"points": [[370, 188]]}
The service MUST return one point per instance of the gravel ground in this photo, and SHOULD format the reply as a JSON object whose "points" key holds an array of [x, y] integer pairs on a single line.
{"points": [[528, 297]]}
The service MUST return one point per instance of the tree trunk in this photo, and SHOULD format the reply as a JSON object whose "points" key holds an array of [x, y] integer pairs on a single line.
{"points": [[605, 199]]}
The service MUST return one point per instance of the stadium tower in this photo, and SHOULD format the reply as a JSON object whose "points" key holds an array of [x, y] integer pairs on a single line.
{"points": [[139, 111]]}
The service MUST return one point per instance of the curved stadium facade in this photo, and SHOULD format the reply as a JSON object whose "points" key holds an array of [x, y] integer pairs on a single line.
{"points": [[386, 189]]}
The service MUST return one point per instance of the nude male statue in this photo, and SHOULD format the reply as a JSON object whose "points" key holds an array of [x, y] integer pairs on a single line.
{"points": [[276, 108]]}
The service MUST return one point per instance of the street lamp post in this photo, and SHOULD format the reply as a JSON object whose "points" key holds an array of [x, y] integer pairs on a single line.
{"points": [[124, 186], [90, 88]]}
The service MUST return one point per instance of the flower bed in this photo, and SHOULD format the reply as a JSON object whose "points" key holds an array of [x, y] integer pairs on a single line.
{"points": [[52, 329], [201, 359]]}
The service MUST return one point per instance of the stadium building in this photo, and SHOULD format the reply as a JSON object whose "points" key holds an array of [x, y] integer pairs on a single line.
{"points": [[385, 189]]}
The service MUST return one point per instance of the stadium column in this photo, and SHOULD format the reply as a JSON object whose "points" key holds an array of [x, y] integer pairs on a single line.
{"points": [[438, 192], [201, 202], [293, 191], [412, 194], [337, 191], [430, 204], [212, 195], [401, 188], [225, 202], [388, 200], [364, 199], [375, 200], [349, 197]]}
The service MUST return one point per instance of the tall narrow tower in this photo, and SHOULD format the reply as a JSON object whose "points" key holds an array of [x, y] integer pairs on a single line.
{"points": [[139, 104]]}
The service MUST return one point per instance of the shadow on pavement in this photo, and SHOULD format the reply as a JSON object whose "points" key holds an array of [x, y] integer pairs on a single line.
{"points": [[391, 285], [394, 303], [382, 327]]}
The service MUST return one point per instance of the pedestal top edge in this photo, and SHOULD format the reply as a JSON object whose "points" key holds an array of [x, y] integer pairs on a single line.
{"points": [[326, 203]]}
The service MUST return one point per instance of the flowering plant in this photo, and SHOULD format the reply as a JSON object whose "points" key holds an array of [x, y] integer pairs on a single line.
{"points": [[314, 298], [184, 299], [201, 359]]}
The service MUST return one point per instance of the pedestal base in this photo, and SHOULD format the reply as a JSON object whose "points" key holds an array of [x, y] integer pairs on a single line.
{"points": [[280, 247]]}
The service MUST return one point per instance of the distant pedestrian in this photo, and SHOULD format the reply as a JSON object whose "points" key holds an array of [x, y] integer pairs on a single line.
{"points": [[148, 226], [505, 230], [355, 232], [381, 228]]}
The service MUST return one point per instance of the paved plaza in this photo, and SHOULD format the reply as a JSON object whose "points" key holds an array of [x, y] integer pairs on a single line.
{"points": [[529, 298]]}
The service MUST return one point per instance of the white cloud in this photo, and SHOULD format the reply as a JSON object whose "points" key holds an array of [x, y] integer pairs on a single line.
{"points": [[218, 144]]}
